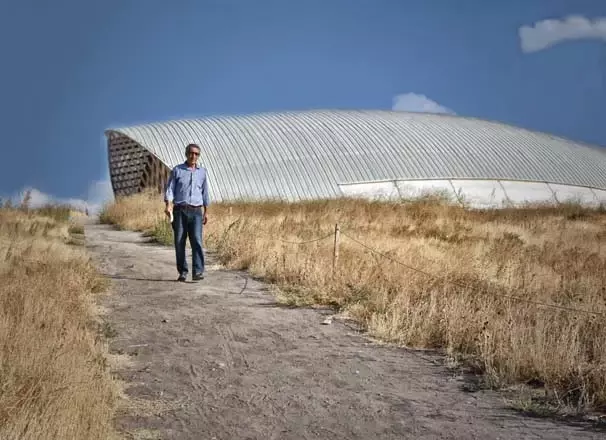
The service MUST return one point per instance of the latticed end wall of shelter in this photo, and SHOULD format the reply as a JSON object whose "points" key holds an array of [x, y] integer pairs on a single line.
{"points": [[133, 168]]}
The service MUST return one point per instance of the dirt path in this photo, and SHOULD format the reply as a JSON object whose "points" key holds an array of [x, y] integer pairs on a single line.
{"points": [[219, 360]]}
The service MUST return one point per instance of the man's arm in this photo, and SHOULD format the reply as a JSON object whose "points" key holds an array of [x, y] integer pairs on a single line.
{"points": [[205, 197], [169, 191]]}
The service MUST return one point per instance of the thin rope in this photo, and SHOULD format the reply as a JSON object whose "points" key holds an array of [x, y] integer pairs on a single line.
{"points": [[308, 241]]}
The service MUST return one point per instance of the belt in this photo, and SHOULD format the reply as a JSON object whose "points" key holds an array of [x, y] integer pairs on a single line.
{"points": [[186, 206]]}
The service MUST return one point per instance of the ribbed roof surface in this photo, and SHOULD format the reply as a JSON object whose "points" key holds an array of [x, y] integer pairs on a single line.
{"points": [[304, 154]]}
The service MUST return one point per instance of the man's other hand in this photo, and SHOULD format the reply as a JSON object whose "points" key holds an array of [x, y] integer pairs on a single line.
{"points": [[205, 219]]}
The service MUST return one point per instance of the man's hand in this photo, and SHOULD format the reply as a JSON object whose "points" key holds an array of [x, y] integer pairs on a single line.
{"points": [[168, 210], [205, 219]]}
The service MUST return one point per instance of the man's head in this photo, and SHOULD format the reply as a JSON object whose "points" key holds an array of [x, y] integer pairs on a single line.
{"points": [[192, 153]]}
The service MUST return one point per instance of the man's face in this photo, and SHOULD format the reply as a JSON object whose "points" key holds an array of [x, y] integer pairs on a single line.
{"points": [[192, 154]]}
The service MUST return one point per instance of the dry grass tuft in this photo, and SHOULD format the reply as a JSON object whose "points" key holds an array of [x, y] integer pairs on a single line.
{"points": [[54, 382], [478, 260]]}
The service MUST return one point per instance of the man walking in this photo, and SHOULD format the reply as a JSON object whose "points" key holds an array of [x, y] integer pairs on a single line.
{"points": [[186, 198]]}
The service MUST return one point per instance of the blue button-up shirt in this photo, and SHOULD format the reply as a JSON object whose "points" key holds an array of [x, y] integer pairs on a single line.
{"points": [[187, 186]]}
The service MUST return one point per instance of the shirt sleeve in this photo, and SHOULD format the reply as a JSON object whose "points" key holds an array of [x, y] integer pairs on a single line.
{"points": [[169, 191], [205, 198]]}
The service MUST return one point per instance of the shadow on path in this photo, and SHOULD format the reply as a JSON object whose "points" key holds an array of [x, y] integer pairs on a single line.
{"points": [[156, 280]]}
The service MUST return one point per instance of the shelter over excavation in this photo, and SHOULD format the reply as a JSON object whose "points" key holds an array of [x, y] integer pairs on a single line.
{"points": [[369, 153]]}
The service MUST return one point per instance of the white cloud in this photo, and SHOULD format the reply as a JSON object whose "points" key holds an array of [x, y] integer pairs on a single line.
{"points": [[99, 192], [37, 198], [547, 33], [413, 102]]}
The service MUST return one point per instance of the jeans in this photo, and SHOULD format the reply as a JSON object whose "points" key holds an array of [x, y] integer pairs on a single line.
{"points": [[188, 222]]}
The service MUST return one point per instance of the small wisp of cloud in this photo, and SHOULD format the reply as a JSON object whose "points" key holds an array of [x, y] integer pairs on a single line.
{"points": [[547, 33], [414, 102], [100, 192]]}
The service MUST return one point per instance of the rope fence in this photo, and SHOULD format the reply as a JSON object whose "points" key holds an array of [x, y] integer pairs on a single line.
{"points": [[307, 241], [338, 232]]}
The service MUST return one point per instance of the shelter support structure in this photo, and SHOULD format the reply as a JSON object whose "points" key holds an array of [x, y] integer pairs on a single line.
{"points": [[132, 168], [477, 193]]}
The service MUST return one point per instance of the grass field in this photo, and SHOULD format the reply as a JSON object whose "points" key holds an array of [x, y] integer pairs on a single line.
{"points": [[54, 383], [479, 277]]}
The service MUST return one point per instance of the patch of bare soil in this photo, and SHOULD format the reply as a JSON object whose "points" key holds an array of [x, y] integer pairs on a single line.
{"points": [[219, 359]]}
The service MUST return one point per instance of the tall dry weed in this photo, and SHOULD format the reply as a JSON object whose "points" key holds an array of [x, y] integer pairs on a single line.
{"points": [[466, 281], [54, 383]]}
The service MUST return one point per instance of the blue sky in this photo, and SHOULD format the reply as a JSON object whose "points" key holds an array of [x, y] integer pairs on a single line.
{"points": [[72, 68]]}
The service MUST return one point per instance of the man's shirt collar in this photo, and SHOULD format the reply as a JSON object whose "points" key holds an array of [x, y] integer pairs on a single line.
{"points": [[186, 166]]}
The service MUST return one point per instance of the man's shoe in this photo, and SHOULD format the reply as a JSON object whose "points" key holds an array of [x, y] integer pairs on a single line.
{"points": [[181, 278], [197, 277]]}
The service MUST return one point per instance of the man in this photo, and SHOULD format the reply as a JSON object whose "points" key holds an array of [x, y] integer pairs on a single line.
{"points": [[186, 198]]}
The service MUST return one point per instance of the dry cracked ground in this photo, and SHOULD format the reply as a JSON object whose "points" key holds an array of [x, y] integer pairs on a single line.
{"points": [[219, 359]]}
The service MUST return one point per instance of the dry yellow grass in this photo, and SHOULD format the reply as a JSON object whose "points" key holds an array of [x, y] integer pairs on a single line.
{"points": [[478, 260], [54, 382]]}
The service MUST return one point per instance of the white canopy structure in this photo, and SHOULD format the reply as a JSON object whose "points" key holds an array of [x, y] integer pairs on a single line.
{"points": [[316, 154]]}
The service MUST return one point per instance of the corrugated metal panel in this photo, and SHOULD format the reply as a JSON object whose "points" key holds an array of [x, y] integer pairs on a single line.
{"points": [[306, 154]]}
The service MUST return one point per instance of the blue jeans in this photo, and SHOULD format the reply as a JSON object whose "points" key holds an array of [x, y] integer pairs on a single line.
{"points": [[188, 222]]}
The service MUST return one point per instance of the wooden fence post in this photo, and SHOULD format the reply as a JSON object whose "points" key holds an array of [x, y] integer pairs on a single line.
{"points": [[335, 254]]}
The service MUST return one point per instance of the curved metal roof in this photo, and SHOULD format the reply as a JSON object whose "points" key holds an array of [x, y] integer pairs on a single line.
{"points": [[305, 154]]}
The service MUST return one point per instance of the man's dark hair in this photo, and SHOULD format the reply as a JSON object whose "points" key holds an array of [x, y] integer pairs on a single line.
{"points": [[190, 146]]}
